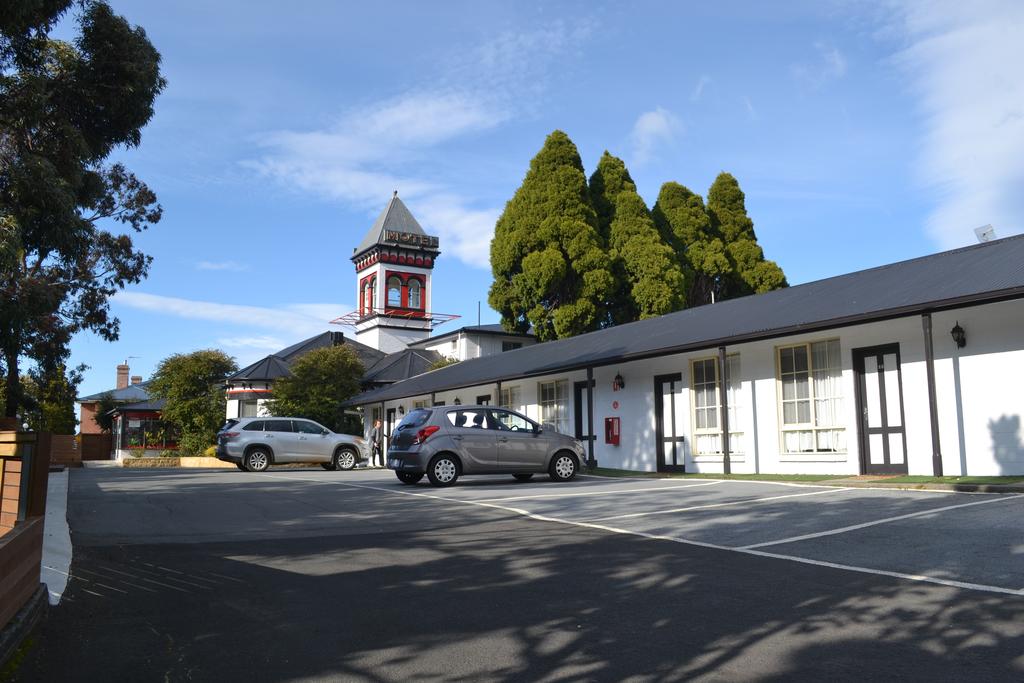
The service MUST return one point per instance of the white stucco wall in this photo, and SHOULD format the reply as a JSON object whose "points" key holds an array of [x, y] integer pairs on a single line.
{"points": [[979, 399]]}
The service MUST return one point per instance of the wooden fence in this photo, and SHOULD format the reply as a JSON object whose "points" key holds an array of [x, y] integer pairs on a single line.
{"points": [[96, 446], [24, 469]]}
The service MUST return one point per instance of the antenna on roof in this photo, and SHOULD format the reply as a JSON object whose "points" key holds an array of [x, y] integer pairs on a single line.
{"points": [[396, 193], [985, 233]]}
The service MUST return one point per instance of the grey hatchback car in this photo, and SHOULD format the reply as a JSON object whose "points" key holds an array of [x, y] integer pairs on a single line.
{"points": [[444, 443], [256, 443]]}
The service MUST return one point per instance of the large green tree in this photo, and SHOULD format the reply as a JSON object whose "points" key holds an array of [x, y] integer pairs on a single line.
{"points": [[682, 217], [192, 386], [321, 381], [651, 280], [66, 215], [548, 259], [49, 399], [752, 273]]}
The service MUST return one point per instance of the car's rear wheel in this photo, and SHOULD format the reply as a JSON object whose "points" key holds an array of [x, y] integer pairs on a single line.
{"points": [[409, 477], [443, 470], [344, 459], [257, 460], [523, 477], [563, 467]]}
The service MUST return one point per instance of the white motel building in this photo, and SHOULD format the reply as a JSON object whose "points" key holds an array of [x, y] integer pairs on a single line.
{"points": [[915, 367]]}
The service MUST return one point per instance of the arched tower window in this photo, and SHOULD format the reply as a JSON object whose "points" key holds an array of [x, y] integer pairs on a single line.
{"points": [[415, 294], [369, 295], [394, 291]]}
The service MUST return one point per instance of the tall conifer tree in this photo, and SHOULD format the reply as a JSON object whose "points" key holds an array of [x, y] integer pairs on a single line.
{"points": [[699, 247], [549, 264], [753, 274], [650, 280]]}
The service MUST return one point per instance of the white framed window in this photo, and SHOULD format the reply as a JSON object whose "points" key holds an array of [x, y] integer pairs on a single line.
{"points": [[420, 404], [705, 392], [554, 404], [414, 294], [810, 398], [511, 398]]}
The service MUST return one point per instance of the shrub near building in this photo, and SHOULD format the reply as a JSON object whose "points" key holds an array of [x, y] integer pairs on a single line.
{"points": [[321, 381], [192, 384]]}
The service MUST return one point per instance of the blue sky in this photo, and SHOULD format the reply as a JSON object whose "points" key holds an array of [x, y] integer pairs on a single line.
{"points": [[861, 133]]}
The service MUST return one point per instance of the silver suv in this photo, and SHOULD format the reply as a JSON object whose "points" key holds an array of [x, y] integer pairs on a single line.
{"points": [[446, 442], [256, 443]]}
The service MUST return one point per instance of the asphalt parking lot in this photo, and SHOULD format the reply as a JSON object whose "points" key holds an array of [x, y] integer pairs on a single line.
{"points": [[313, 575]]}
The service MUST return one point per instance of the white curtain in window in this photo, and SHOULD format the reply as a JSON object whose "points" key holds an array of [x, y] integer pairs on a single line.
{"points": [[827, 376]]}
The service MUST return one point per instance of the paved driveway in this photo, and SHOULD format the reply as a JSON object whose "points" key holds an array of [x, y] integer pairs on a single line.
{"points": [[309, 575]]}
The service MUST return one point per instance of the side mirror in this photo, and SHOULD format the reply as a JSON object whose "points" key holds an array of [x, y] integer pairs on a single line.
{"points": [[325, 432], [538, 429]]}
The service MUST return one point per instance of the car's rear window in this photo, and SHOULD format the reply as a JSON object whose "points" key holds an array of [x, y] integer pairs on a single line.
{"points": [[255, 426], [231, 422], [415, 418], [474, 418], [279, 426]]}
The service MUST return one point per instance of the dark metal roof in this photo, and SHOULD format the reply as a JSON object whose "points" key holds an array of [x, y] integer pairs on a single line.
{"points": [[278, 365], [401, 365], [266, 368], [156, 404], [396, 216], [495, 329], [132, 392], [977, 274]]}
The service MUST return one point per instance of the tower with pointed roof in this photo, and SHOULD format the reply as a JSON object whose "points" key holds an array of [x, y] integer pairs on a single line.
{"points": [[393, 264]]}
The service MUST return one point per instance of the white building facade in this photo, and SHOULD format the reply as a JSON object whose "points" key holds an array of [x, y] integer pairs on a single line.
{"points": [[913, 368]]}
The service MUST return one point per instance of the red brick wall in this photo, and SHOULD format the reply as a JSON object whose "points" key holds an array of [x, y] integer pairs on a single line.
{"points": [[86, 423]]}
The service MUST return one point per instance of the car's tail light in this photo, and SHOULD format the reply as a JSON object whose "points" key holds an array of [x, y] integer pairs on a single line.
{"points": [[424, 434], [230, 435]]}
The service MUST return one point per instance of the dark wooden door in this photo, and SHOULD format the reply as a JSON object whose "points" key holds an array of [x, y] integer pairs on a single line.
{"points": [[881, 434], [668, 423]]}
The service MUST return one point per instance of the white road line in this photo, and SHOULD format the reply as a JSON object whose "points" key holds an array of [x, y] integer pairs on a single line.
{"points": [[921, 578], [887, 520], [598, 493], [718, 505]]}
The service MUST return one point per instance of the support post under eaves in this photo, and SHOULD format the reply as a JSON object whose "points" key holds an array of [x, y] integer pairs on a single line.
{"points": [[724, 391], [933, 406], [592, 435]]}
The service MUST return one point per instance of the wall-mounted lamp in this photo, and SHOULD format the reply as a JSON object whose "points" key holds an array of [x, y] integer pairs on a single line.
{"points": [[457, 401], [401, 410], [618, 382], [959, 336]]}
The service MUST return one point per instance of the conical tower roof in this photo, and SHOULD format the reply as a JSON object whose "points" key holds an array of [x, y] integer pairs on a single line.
{"points": [[396, 217]]}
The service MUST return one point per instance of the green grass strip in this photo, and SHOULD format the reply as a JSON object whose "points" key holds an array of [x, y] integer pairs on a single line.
{"points": [[609, 472], [921, 479]]}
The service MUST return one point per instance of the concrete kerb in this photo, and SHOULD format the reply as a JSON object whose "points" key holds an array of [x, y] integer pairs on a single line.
{"points": [[854, 483]]}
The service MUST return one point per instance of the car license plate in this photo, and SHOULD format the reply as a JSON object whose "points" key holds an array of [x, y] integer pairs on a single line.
{"points": [[394, 462]]}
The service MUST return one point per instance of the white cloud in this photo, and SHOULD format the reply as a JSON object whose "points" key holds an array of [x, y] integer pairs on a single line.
{"points": [[233, 266], [258, 343], [828, 65], [698, 90], [653, 129], [964, 62], [298, 320], [355, 160], [749, 107]]}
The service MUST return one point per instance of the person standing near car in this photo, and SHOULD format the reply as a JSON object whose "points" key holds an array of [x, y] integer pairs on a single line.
{"points": [[375, 439]]}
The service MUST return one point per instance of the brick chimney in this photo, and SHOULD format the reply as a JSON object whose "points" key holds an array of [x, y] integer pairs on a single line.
{"points": [[122, 375], [136, 379]]}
